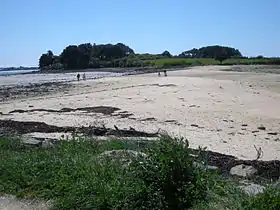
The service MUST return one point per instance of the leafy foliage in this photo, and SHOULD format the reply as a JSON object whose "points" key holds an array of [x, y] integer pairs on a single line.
{"points": [[89, 55], [170, 178], [214, 51], [71, 175]]}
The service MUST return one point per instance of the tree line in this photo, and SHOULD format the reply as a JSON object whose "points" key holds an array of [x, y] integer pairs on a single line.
{"points": [[89, 55]]}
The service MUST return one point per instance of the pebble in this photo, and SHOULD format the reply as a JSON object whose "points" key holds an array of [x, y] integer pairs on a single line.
{"points": [[272, 133], [262, 128]]}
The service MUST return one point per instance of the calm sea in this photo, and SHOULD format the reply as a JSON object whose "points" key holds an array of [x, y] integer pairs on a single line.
{"points": [[14, 72]]}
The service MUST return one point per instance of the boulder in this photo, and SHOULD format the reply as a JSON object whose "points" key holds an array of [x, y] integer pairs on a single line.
{"points": [[243, 170], [123, 156], [252, 189], [206, 167], [31, 142]]}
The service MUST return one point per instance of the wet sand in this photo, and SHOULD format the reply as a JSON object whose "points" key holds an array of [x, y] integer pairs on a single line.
{"points": [[225, 111]]}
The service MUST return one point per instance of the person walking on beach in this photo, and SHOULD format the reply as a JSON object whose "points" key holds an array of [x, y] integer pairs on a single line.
{"points": [[165, 73], [78, 77], [84, 76]]}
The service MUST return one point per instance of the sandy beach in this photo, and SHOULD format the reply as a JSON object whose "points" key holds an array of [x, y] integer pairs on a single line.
{"points": [[225, 111]]}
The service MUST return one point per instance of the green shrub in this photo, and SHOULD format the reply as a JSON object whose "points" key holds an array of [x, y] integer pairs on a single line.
{"points": [[269, 199], [171, 181]]}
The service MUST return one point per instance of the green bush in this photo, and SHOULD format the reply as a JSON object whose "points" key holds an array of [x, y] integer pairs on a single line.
{"points": [[171, 180], [269, 199]]}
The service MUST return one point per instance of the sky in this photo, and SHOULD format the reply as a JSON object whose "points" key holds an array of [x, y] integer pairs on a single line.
{"points": [[29, 28]]}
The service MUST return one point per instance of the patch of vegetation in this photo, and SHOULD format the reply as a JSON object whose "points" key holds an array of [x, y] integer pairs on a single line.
{"points": [[72, 175], [89, 55]]}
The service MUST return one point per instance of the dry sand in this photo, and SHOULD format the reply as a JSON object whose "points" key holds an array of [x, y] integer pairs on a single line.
{"points": [[216, 109]]}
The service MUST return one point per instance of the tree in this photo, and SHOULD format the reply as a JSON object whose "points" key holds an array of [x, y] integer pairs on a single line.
{"points": [[70, 57], [46, 59], [214, 51], [166, 54]]}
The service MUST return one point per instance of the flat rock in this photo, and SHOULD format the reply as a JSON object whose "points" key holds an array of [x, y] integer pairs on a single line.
{"points": [[32, 142], [206, 167], [243, 170], [118, 153], [9, 202], [252, 189], [124, 156]]}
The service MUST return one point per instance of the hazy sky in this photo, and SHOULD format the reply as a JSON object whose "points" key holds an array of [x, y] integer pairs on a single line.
{"points": [[29, 28]]}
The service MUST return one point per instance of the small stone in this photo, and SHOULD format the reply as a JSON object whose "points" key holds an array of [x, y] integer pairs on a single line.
{"points": [[277, 139], [262, 128], [218, 130], [195, 125], [243, 170], [272, 133], [206, 167], [244, 125], [255, 131], [32, 142], [267, 138], [244, 129], [253, 189], [241, 133], [30, 106], [224, 141], [46, 144], [231, 133]]}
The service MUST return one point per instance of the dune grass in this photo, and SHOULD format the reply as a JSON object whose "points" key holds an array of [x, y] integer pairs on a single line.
{"points": [[72, 175], [172, 62]]}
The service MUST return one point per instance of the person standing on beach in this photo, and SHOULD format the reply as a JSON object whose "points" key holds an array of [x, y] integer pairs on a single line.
{"points": [[165, 73], [84, 76], [78, 77]]}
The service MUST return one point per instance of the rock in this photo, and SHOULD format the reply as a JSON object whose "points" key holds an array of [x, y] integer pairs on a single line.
{"points": [[255, 131], [124, 156], [47, 143], [195, 125], [244, 125], [277, 139], [31, 142], [261, 127], [115, 153], [219, 130], [252, 189], [224, 141], [272, 133], [243, 170], [206, 167]]}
